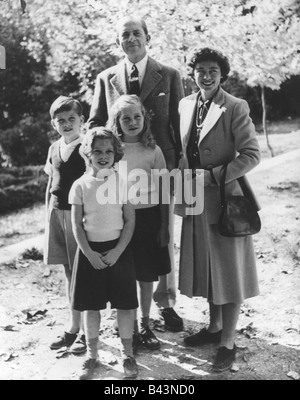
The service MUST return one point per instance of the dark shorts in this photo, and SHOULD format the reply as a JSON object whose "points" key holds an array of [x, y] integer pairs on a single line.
{"points": [[91, 289], [150, 259]]}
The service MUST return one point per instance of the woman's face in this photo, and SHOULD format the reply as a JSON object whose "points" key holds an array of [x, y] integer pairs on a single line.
{"points": [[207, 76]]}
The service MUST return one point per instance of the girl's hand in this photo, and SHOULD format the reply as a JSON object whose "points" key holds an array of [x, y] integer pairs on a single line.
{"points": [[96, 260], [110, 257], [163, 236]]}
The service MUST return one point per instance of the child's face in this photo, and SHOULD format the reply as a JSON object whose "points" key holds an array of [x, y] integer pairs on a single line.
{"points": [[132, 123], [103, 155], [68, 124]]}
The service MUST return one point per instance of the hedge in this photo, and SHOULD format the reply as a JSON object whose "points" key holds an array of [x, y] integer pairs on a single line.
{"points": [[15, 197]]}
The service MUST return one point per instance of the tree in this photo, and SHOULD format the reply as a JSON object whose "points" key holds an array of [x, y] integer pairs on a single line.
{"points": [[259, 38]]}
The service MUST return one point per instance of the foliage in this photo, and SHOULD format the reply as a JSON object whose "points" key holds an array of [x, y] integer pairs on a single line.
{"points": [[59, 47], [260, 38], [32, 254], [26, 143], [18, 196]]}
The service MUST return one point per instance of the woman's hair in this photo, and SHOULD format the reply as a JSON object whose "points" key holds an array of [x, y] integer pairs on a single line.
{"points": [[208, 54], [114, 119], [89, 138]]}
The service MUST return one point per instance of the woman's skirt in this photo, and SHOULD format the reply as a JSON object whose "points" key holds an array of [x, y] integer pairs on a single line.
{"points": [[221, 269]]}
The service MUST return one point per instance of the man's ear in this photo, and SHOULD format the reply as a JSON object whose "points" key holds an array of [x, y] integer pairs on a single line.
{"points": [[118, 41], [148, 37], [53, 123]]}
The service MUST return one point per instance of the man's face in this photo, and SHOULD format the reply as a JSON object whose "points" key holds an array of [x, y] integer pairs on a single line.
{"points": [[133, 40]]}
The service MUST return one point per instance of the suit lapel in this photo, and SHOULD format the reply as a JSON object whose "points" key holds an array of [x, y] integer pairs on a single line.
{"points": [[214, 113], [151, 79], [119, 81], [187, 112]]}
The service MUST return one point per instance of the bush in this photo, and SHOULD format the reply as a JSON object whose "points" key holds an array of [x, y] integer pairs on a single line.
{"points": [[19, 175], [26, 143], [29, 171], [9, 179], [15, 197]]}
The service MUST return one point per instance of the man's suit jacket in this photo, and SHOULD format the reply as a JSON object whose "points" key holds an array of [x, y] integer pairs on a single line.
{"points": [[161, 92], [227, 136]]}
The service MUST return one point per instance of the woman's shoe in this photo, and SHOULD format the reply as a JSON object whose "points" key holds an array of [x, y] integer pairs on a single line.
{"points": [[224, 359], [203, 337]]}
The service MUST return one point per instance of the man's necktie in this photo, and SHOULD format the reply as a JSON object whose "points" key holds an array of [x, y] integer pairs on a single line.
{"points": [[134, 85]]}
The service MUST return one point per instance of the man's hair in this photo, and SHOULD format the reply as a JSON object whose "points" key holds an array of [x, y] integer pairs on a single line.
{"points": [[65, 103], [100, 132], [132, 18], [208, 54], [114, 118]]}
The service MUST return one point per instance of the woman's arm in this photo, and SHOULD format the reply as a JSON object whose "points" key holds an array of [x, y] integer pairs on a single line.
{"points": [[81, 238], [112, 255]]}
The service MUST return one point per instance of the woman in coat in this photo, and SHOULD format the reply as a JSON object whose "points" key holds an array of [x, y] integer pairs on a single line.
{"points": [[216, 129]]}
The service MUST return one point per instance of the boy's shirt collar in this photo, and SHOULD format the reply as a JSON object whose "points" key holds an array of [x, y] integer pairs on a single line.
{"points": [[66, 149]]}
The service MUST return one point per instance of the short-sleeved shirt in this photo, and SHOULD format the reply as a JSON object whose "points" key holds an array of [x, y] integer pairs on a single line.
{"points": [[102, 200], [138, 165]]}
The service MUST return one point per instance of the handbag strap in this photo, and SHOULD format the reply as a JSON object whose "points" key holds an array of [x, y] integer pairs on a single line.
{"points": [[240, 180], [222, 185]]}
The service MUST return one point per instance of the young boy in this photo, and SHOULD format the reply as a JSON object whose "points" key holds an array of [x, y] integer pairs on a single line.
{"points": [[64, 165]]}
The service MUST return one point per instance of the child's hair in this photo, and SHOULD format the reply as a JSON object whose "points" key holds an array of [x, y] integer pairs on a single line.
{"points": [[114, 116], [89, 138], [64, 103]]}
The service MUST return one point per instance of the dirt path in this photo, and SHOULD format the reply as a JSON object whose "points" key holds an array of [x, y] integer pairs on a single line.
{"points": [[33, 309]]}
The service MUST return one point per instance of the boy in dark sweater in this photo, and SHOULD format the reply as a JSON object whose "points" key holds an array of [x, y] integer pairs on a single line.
{"points": [[64, 165]]}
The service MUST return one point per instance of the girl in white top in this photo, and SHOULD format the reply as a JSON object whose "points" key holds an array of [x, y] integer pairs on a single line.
{"points": [[150, 240], [103, 223]]}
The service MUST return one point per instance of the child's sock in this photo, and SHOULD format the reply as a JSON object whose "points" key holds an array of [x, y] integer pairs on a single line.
{"points": [[145, 322], [92, 348], [126, 347]]}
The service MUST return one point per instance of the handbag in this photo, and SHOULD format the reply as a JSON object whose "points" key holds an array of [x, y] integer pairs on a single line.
{"points": [[239, 216]]}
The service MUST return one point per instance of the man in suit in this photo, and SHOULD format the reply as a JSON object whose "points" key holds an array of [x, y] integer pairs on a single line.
{"points": [[160, 89]]}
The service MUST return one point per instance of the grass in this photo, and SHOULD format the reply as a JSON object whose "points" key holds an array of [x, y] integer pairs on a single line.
{"points": [[29, 222], [22, 224]]}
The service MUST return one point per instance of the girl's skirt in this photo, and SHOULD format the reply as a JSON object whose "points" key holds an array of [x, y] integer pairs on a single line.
{"points": [[150, 259], [91, 289]]}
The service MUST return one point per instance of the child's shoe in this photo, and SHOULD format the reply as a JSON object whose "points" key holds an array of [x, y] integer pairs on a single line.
{"points": [[130, 367], [79, 346], [66, 340], [88, 368], [148, 339]]}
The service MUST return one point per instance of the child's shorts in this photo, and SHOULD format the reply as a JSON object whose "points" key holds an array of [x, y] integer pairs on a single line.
{"points": [[92, 289], [150, 259], [60, 244]]}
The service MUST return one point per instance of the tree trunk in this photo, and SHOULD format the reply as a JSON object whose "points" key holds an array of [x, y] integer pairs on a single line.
{"points": [[264, 120]]}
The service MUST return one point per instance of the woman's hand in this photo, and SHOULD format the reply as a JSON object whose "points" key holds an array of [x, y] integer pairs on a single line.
{"points": [[111, 257], [96, 260]]}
